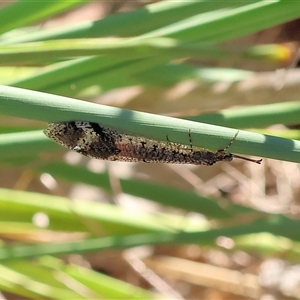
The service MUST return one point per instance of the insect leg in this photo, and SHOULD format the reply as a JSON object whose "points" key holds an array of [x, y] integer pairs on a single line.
{"points": [[231, 141], [190, 139], [168, 139]]}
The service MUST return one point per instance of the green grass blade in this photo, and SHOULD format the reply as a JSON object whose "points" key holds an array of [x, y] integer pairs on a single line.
{"points": [[24, 144], [132, 49], [64, 74], [164, 195], [71, 77], [48, 278], [65, 216], [254, 116], [34, 282], [107, 287], [150, 17], [226, 24], [20, 13], [275, 224], [51, 108]]}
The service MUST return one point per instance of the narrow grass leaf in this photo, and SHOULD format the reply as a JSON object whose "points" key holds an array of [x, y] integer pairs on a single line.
{"points": [[51, 108], [20, 14]]}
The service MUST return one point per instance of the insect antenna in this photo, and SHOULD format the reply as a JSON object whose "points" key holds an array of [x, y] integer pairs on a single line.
{"points": [[258, 161]]}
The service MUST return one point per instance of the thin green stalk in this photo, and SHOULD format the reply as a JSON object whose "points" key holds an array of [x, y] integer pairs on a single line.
{"points": [[50, 108], [276, 225]]}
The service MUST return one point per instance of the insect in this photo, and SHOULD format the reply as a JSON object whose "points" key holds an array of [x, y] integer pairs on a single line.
{"points": [[96, 141]]}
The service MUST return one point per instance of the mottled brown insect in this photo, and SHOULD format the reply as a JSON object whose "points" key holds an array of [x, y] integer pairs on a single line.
{"points": [[96, 141]]}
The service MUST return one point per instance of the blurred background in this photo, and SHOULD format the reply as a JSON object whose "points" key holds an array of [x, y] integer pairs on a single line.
{"points": [[229, 231]]}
